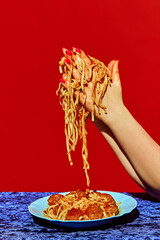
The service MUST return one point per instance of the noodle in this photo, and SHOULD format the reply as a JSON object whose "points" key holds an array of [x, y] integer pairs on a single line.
{"points": [[75, 113], [81, 205]]}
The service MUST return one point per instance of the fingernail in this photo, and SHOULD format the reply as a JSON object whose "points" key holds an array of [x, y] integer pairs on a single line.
{"points": [[78, 50], [67, 61], [68, 52], [62, 80]]}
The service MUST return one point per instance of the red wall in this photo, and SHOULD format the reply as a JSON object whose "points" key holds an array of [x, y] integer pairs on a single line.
{"points": [[32, 150]]}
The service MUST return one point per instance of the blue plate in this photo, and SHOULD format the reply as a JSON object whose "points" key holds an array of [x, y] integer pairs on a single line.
{"points": [[128, 203]]}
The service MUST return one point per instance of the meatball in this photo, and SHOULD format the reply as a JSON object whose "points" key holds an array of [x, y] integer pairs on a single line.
{"points": [[94, 212], [108, 198], [53, 199], [74, 214], [81, 193], [111, 210]]}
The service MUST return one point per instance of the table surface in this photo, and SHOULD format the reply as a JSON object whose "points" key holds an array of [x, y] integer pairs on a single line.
{"points": [[17, 223]]}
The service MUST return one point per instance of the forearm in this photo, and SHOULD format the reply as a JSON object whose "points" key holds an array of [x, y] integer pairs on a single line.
{"points": [[141, 150], [109, 137]]}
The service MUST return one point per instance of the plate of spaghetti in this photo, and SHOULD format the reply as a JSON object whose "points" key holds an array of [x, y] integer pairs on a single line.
{"points": [[82, 208]]}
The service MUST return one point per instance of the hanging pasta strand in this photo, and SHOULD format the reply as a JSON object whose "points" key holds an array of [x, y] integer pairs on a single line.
{"points": [[75, 112]]}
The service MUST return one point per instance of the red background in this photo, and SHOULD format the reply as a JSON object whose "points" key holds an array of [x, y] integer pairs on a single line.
{"points": [[32, 150]]}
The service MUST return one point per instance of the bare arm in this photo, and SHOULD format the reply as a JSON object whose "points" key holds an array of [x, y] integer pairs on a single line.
{"points": [[124, 159], [135, 149], [142, 151], [139, 153], [109, 137]]}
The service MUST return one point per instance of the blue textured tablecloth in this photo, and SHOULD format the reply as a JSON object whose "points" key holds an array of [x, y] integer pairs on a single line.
{"points": [[17, 223]]}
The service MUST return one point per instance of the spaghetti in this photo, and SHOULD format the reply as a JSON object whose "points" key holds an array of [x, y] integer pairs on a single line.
{"points": [[75, 112], [81, 205]]}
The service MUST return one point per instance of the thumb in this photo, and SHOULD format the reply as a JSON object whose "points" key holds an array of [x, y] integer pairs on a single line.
{"points": [[115, 73]]}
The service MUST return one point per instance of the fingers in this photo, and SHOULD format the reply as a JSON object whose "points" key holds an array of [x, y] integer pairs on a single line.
{"points": [[75, 72], [82, 55], [110, 65], [68, 54], [69, 58], [113, 68], [72, 56], [115, 72], [86, 60], [63, 80]]}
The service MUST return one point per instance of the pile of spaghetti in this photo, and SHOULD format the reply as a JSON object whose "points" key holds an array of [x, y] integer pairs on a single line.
{"points": [[75, 112], [81, 205]]}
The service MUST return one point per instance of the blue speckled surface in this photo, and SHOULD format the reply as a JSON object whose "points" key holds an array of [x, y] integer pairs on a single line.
{"points": [[17, 223]]}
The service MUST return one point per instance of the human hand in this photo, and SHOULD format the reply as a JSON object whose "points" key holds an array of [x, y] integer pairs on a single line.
{"points": [[71, 59], [112, 98]]}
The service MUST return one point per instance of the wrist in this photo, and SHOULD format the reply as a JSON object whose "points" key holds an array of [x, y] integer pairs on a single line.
{"points": [[113, 118]]}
